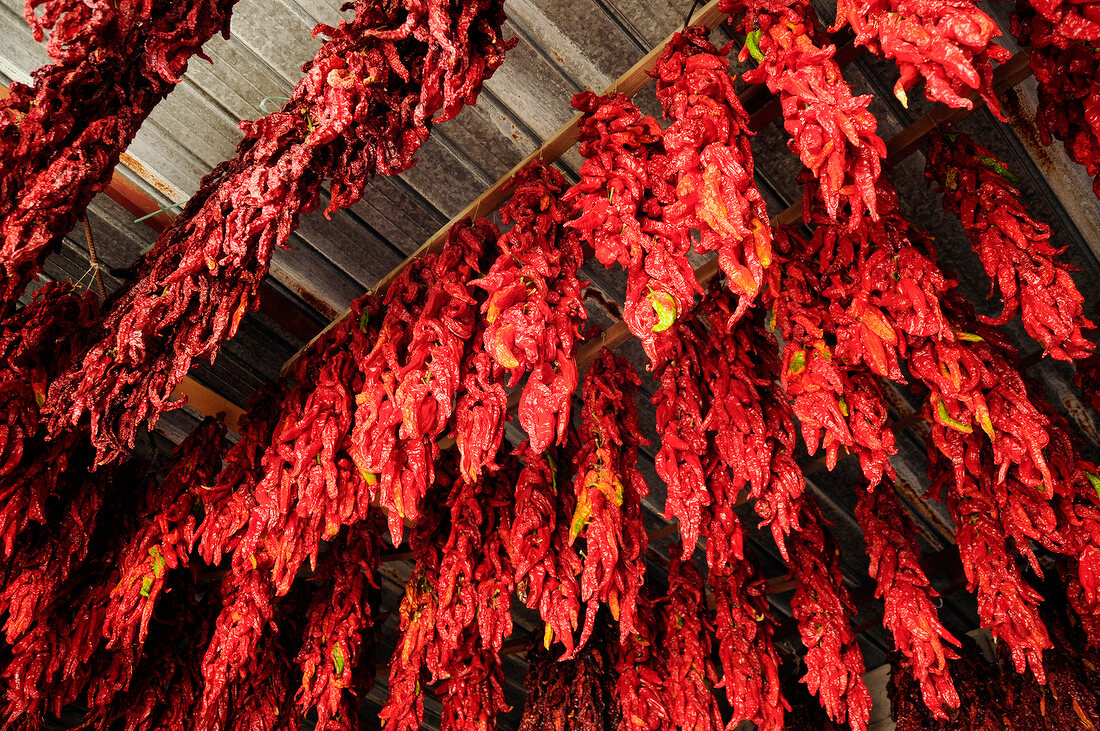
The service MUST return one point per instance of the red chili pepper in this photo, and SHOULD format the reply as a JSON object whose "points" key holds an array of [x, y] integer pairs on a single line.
{"points": [[609, 490], [1015, 250]]}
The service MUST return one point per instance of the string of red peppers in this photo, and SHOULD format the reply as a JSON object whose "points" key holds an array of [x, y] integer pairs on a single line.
{"points": [[689, 673], [545, 563], [641, 660], [832, 132], [616, 206], [909, 609], [948, 42], [60, 138], [412, 374], [363, 106], [609, 490], [332, 660], [36, 341], [534, 313], [1065, 57], [1014, 249], [707, 162]]}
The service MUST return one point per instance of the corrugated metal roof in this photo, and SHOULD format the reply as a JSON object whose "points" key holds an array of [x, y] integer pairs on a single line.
{"points": [[564, 46]]}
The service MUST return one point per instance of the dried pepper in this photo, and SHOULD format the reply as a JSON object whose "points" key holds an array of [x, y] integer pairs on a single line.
{"points": [[456, 610], [481, 411], [262, 699], [832, 132], [337, 624], [708, 161], [311, 486], [753, 426], [1015, 249], [164, 538], [1007, 605], [230, 500], [36, 341], [910, 612], [744, 631], [61, 138], [689, 637], [577, 693], [615, 208], [534, 312], [412, 374], [679, 416], [1066, 62], [838, 404], [640, 669], [363, 106], [948, 42], [609, 490], [822, 606], [545, 564], [246, 616]]}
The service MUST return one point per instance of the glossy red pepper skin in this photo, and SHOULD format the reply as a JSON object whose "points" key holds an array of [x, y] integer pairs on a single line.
{"points": [[689, 642], [1014, 248], [910, 612], [616, 210], [335, 644], [1066, 64], [948, 42], [61, 137], [413, 373], [641, 663], [822, 607], [546, 564]]}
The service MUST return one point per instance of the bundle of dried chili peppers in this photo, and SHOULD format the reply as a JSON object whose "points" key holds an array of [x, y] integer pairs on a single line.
{"points": [[910, 612], [609, 489], [412, 374], [545, 563], [1014, 249], [61, 138], [832, 132], [338, 621], [534, 311], [948, 42], [616, 206], [708, 162], [1066, 60], [688, 640], [640, 663], [577, 692], [363, 106], [822, 607]]}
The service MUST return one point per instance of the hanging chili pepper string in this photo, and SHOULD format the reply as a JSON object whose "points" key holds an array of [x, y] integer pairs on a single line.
{"points": [[707, 164], [1007, 605], [609, 490], [910, 611], [545, 563], [641, 663], [615, 205], [1066, 62], [534, 312], [1015, 250], [822, 606], [948, 42], [688, 641], [363, 107], [338, 621], [832, 132]]}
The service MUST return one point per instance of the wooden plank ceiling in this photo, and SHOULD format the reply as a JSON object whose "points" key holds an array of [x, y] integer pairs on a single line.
{"points": [[565, 46]]}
